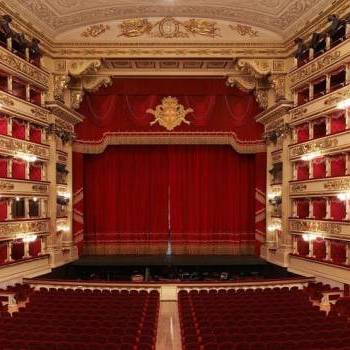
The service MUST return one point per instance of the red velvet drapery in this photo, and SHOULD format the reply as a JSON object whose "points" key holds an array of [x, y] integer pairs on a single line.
{"points": [[209, 191], [216, 108]]}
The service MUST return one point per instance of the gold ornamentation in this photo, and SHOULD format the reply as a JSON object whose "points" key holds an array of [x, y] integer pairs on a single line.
{"points": [[170, 113], [175, 138], [262, 97], [315, 67], [60, 84], [314, 146], [132, 28], [244, 30], [337, 98], [279, 85], [298, 188], [23, 67], [6, 186], [40, 114], [61, 124], [7, 101], [13, 146], [337, 185], [169, 28], [297, 113], [7, 228], [95, 30], [315, 226], [40, 188], [274, 125]]}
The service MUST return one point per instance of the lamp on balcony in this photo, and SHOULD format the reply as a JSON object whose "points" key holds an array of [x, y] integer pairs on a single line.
{"points": [[311, 155], [344, 104], [344, 196], [310, 236], [27, 157]]}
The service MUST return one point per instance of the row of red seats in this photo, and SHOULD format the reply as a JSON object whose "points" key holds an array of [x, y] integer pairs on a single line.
{"points": [[66, 320], [250, 321]]}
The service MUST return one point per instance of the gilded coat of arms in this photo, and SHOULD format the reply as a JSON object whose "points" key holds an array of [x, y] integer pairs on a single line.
{"points": [[170, 113]]}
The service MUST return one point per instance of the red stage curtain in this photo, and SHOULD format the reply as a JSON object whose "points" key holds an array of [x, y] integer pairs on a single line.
{"points": [[303, 132], [319, 247], [206, 191], [18, 169], [338, 209], [302, 247], [17, 250], [319, 207], [35, 247], [338, 123], [338, 252], [3, 167], [211, 191], [3, 252], [319, 168], [338, 165], [130, 184], [18, 129], [302, 170], [302, 208], [35, 134], [3, 125], [35, 172]]}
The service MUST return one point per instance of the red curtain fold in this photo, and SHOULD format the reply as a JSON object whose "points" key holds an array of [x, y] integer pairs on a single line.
{"points": [[338, 165], [319, 248], [78, 199], [338, 209], [319, 127], [338, 252], [35, 172], [35, 134], [319, 207], [3, 209], [216, 108], [3, 167], [17, 250], [302, 170], [302, 208], [205, 193], [303, 132], [18, 129], [3, 125], [35, 247], [18, 169], [338, 123], [319, 168], [3, 252], [302, 247]]}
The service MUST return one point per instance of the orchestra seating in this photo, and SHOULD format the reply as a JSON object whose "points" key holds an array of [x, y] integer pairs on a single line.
{"points": [[315, 290], [59, 319], [260, 319]]}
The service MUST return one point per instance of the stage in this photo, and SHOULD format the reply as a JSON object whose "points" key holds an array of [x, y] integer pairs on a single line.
{"points": [[169, 268], [164, 260]]}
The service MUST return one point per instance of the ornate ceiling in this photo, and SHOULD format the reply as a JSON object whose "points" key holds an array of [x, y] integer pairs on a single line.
{"points": [[66, 20]]}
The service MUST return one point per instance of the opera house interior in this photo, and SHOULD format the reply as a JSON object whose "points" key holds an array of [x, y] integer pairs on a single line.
{"points": [[174, 175]]}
